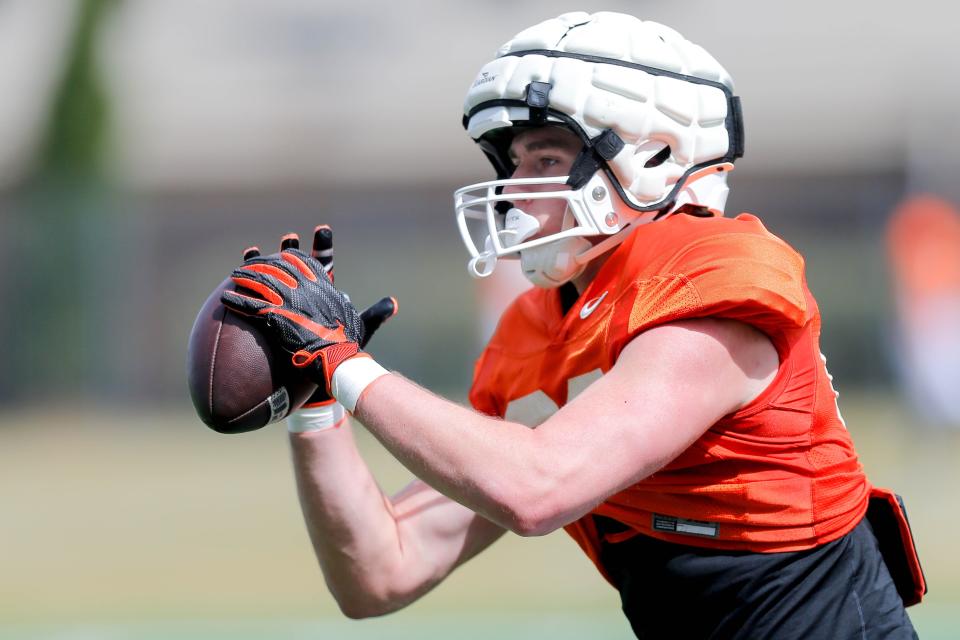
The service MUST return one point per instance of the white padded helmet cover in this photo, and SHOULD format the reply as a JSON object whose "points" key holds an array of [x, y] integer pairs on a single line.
{"points": [[647, 110]]}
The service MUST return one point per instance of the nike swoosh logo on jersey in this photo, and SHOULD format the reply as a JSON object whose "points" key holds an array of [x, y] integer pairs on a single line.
{"points": [[589, 306]]}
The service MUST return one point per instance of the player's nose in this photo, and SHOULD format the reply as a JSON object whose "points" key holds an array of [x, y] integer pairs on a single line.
{"points": [[510, 189], [520, 189]]}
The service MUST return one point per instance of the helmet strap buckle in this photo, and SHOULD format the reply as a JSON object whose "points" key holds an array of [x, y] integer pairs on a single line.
{"points": [[598, 150], [538, 100]]}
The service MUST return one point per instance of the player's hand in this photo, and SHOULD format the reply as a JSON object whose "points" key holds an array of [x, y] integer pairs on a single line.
{"points": [[304, 313], [373, 316]]}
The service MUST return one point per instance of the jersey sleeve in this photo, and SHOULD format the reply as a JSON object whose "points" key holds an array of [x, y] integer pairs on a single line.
{"points": [[752, 277], [521, 329], [481, 394]]}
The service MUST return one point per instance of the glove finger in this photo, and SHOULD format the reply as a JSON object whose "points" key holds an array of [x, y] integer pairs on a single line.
{"points": [[289, 241], [250, 253], [274, 259], [265, 279], [308, 266], [375, 315], [253, 285], [323, 248], [269, 271], [236, 301]]}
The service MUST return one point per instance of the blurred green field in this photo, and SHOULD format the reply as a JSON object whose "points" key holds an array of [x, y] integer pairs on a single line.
{"points": [[147, 525]]}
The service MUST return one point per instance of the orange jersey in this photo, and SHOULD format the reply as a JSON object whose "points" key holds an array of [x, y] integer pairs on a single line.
{"points": [[781, 474]]}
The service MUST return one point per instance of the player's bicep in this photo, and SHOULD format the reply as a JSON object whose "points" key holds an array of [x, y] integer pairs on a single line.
{"points": [[437, 534], [669, 385], [684, 377]]}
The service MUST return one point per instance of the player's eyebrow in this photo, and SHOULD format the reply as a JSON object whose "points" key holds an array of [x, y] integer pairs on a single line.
{"points": [[547, 143], [550, 143]]}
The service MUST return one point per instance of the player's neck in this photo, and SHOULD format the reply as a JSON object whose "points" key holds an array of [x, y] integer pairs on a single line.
{"points": [[571, 291], [568, 297]]}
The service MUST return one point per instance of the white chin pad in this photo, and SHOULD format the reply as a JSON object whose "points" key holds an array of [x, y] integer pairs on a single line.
{"points": [[518, 226]]}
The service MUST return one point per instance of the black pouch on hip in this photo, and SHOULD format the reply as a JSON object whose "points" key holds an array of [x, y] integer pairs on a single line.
{"points": [[888, 518]]}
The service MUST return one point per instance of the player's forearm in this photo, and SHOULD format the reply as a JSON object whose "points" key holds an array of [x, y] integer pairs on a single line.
{"points": [[350, 522], [486, 464]]}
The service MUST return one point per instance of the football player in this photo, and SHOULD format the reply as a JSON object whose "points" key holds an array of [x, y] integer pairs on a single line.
{"points": [[686, 430]]}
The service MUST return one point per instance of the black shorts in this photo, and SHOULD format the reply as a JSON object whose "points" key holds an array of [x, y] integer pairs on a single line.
{"points": [[839, 590]]}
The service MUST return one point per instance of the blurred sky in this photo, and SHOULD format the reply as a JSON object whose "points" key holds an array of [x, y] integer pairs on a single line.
{"points": [[250, 93]]}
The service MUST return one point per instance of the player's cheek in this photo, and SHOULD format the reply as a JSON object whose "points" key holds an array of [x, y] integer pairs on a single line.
{"points": [[550, 216]]}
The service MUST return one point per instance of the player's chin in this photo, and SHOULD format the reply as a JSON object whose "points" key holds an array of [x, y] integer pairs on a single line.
{"points": [[545, 281]]}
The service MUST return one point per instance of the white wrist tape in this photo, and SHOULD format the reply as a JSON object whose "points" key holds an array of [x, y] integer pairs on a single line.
{"points": [[352, 377], [328, 416]]}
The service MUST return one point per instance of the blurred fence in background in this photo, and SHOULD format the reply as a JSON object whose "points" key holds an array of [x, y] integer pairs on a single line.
{"points": [[142, 266]]}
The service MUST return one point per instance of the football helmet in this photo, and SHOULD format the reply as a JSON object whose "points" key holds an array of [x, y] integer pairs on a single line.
{"points": [[659, 123]]}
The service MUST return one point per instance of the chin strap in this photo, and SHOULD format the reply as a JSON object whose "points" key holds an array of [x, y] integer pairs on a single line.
{"points": [[605, 245]]}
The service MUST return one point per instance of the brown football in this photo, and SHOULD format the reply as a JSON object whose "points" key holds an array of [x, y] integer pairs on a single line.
{"points": [[237, 381]]}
